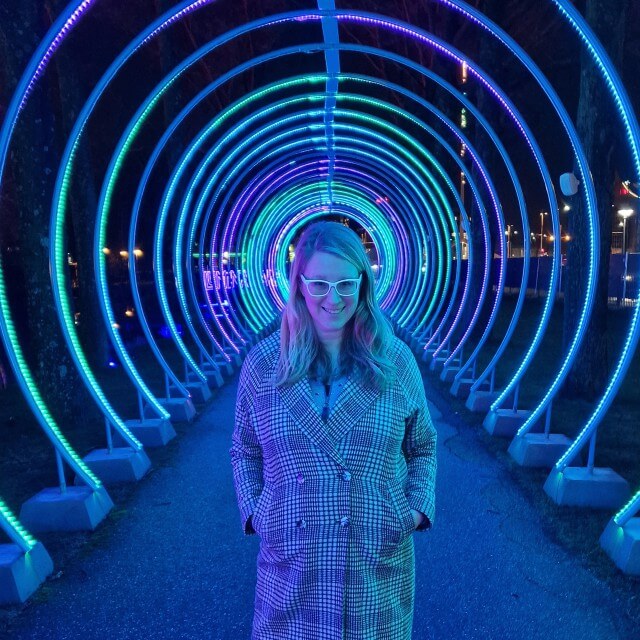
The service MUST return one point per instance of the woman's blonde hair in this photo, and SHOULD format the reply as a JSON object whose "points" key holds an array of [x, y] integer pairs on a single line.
{"points": [[367, 336]]}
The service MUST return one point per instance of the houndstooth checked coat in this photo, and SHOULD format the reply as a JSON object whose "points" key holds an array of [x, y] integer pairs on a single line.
{"points": [[332, 501]]}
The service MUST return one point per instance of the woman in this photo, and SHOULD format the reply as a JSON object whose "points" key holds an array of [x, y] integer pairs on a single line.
{"points": [[333, 455]]}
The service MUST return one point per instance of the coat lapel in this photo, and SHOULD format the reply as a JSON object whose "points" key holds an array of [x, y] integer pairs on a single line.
{"points": [[354, 400]]}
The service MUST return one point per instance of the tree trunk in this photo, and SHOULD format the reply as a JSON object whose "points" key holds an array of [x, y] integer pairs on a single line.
{"points": [[31, 163], [82, 208], [599, 132]]}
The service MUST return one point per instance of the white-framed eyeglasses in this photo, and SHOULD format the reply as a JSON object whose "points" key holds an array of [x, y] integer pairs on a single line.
{"points": [[320, 288]]}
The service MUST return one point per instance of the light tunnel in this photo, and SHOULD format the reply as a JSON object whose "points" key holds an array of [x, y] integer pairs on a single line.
{"points": [[214, 192]]}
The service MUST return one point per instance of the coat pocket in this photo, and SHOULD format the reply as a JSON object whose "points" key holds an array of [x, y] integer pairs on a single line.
{"points": [[261, 506], [278, 522], [402, 509]]}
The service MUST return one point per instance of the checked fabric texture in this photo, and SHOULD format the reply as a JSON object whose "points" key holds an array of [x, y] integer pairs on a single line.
{"points": [[332, 501]]}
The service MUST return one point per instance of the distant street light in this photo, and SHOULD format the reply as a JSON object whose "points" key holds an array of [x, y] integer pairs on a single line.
{"points": [[624, 214], [511, 232]]}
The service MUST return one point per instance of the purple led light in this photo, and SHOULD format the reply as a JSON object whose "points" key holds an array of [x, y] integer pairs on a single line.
{"points": [[176, 17], [423, 38], [300, 171], [214, 236], [242, 208], [305, 213], [403, 249], [229, 234], [294, 173], [275, 180], [55, 43], [202, 3]]}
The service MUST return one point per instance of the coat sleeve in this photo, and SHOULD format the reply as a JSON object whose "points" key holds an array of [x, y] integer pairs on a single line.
{"points": [[419, 446], [246, 452]]}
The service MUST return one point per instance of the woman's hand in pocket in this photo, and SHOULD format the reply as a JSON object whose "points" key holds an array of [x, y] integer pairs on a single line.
{"points": [[417, 517]]}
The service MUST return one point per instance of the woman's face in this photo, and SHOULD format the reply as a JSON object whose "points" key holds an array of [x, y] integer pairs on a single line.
{"points": [[331, 312]]}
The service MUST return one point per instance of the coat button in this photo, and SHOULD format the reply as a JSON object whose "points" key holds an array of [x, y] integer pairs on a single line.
{"points": [[300, 478], [302, 523], [344, 521]]}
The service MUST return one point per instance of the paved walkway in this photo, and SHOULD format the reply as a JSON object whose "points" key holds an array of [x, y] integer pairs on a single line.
{"points": [[174, 564]]}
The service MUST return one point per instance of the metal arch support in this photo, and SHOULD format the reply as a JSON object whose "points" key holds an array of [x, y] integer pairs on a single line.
{"points": [[332, 61]]}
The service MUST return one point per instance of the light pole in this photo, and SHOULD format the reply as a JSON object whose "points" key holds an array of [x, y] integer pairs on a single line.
{"points": [[510, 232], [565, 208], [542, 215], [624, 214], [553, 238]]}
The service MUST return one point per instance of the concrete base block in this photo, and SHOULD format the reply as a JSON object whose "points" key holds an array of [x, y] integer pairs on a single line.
{"points": [[438, 362], [236, 358], [622, 544], [505, 422], [121, 464], [600, 488], [427, 354], [77, 509], [152, 432], [225, 367], [180, 409], [449, 373], [200, 392], [538, 449], [461, 387], [214, 376], [481, 401], [22, 573]]}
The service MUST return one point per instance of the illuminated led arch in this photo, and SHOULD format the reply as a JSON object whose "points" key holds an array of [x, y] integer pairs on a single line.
{"points": [[184, 65], [261, 192], [24, 376], [338, 190], [253, 252]]}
